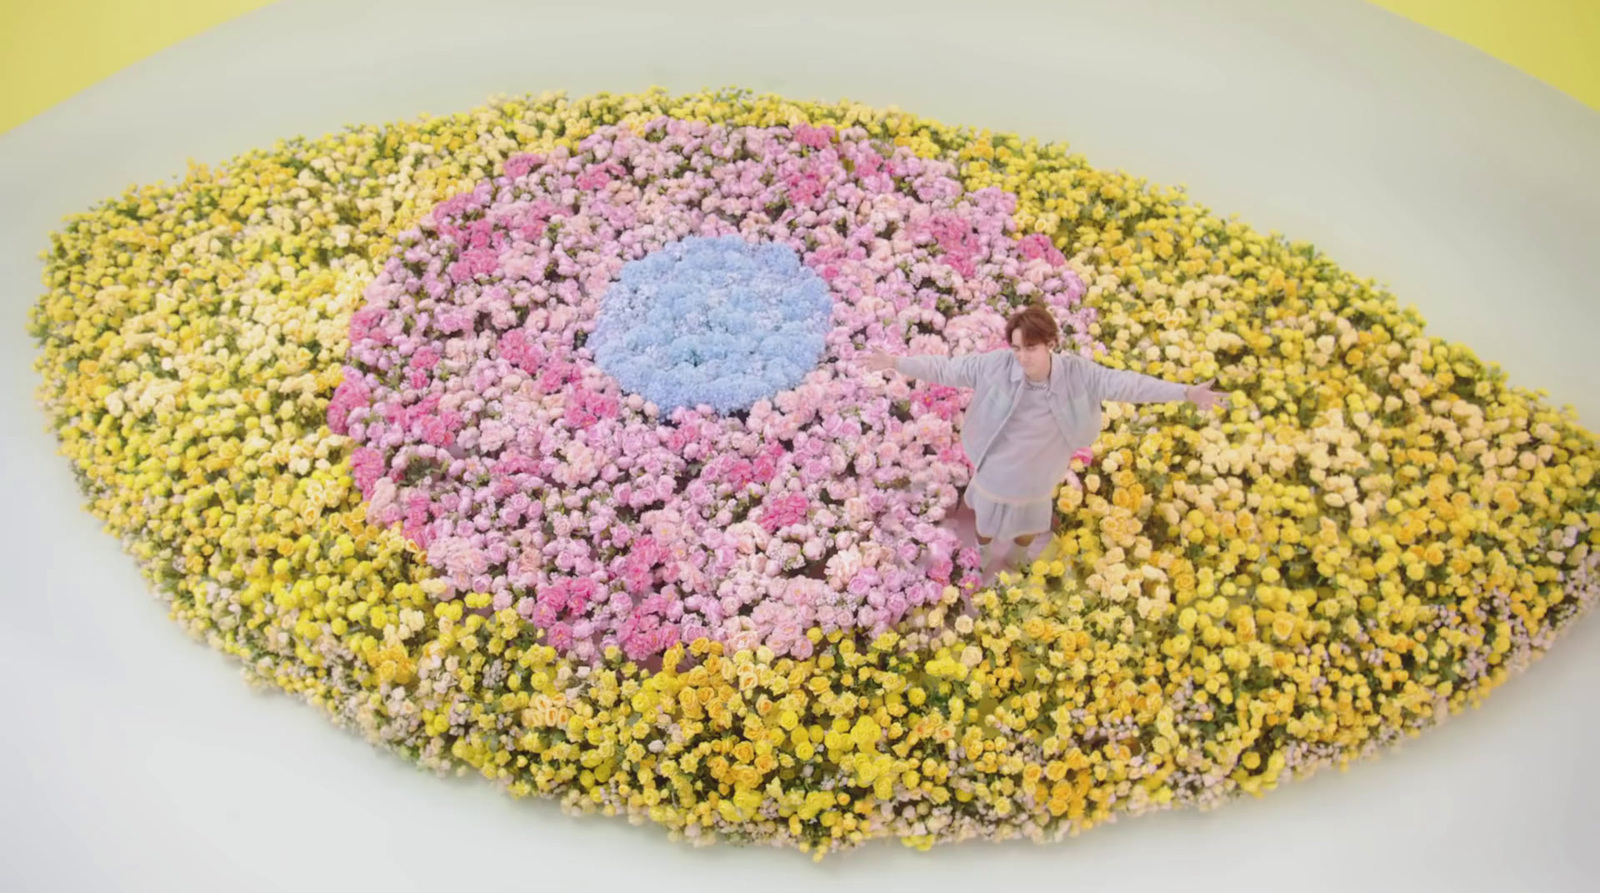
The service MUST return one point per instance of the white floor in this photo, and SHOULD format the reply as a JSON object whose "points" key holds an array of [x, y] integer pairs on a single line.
{"points": [[135, 759]]}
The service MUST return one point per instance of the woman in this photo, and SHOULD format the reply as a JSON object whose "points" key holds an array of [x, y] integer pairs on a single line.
{"points": [[1033, 408]]}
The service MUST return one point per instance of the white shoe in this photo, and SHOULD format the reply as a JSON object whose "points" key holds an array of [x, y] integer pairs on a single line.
{"points": [[994, 561], [1038, 548], [1006, 560]]}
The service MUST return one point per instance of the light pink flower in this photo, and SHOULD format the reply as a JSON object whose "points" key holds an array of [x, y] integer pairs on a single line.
{"points": [[484, 428]]}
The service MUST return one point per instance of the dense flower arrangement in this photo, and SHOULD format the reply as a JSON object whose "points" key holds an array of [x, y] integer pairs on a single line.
{"points": [[712, 322], [357, 407], [798, 498]]}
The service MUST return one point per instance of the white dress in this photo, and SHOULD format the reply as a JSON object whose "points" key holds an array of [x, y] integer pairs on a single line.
{"points": [[1021, 435], [1013, 490]]}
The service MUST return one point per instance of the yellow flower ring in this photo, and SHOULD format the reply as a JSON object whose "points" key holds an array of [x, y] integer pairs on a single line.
{"points": [[1374, 536]]}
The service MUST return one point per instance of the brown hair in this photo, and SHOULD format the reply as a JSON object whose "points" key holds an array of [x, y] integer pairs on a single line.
{"points": [[1037, 325]]}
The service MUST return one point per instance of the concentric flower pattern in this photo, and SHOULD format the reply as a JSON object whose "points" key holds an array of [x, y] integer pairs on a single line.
{"points": [[491, 396], [347, 402]]}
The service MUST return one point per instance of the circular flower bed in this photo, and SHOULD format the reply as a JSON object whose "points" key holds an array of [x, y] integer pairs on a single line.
{"points": [[424, 423], [787, 498]]}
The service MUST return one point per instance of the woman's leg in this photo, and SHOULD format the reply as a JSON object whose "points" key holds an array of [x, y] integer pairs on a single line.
{"points": [[1052, 546], [968, 500], [1026, 540]]}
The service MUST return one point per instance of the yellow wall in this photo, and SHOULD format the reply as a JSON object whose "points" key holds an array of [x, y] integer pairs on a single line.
{"points": [[1557, 41], [51, 49]]}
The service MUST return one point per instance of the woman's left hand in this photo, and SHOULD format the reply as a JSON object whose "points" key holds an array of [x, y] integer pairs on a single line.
{"points": [[1203, 397]]}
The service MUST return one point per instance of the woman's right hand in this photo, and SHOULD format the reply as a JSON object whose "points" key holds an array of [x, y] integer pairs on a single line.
{"points": [[878, 362]]}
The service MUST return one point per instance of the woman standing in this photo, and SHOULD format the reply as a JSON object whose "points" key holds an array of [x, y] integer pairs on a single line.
{"points": [[1031, 410]]}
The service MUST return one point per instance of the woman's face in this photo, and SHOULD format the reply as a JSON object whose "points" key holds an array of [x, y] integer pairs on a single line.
{"points": [[1035, 358]]}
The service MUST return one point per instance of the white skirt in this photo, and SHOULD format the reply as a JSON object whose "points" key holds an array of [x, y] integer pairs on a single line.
{"points": [[1008, 520]]}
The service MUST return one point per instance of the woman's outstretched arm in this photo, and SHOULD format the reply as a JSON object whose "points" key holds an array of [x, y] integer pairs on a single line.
{"points": [[955, 372], [1124, 386]]}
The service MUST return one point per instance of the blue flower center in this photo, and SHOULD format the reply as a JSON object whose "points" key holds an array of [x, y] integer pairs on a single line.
{"points": [[712, 321]]}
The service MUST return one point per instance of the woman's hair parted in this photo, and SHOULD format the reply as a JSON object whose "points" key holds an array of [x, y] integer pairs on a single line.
{"points": [[1037, 325]]}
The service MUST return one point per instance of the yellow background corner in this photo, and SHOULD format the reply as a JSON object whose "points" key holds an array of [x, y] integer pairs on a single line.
{"points": [[51, 49]]}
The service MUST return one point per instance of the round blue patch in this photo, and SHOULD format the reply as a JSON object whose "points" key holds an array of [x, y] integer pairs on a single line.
{"points": [[719, 322]]}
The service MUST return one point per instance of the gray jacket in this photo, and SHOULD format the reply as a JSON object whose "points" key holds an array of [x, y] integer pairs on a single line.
{"points": [[1078, 386]]}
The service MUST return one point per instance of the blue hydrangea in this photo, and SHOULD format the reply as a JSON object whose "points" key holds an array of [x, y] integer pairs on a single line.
{"points": [[719, 322]]}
